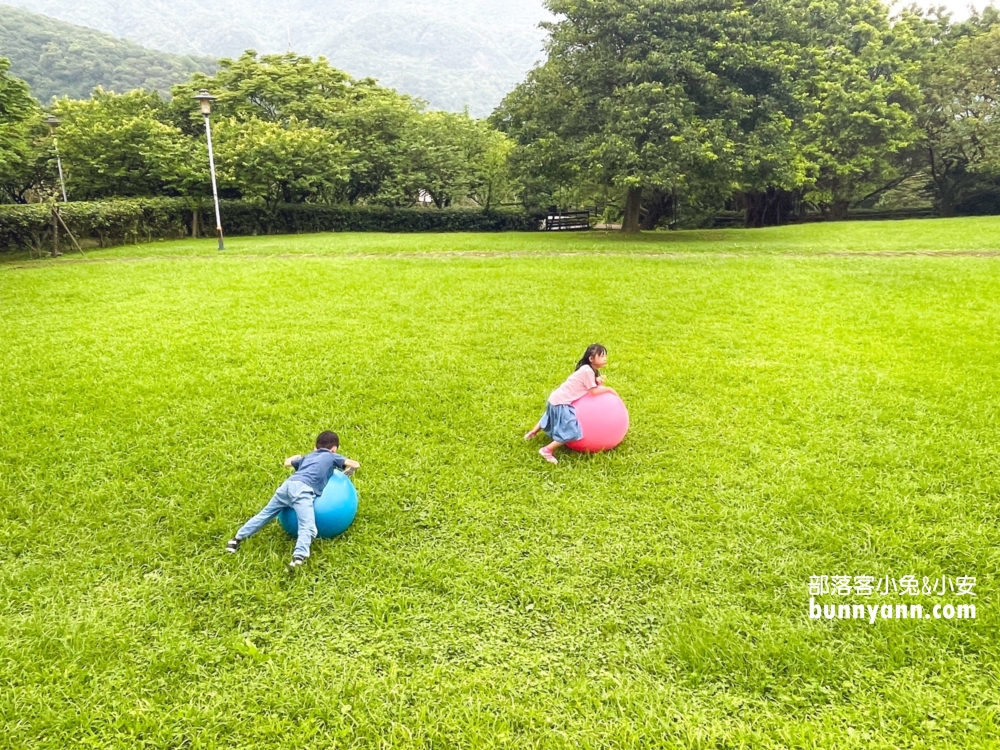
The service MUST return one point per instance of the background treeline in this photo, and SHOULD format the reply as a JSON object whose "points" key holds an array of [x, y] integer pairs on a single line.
{"points": [[287, 129], [661, 110]]}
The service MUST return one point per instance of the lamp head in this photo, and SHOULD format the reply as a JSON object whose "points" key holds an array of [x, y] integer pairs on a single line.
{"points": [[205, 99], [53, 122]]}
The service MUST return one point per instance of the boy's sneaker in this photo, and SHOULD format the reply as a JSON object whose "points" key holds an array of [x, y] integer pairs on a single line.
{"points": [[233, 545], [547, 455], [296, 562]]}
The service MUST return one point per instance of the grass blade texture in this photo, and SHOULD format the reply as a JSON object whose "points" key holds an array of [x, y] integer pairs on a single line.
{"points": [[805, 401]]}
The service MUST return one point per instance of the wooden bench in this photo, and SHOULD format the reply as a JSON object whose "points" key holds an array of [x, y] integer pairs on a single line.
{"points": [[567, 221]]}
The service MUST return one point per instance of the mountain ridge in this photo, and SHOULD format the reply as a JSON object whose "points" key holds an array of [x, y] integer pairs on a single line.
{"points": [[453, 54], [62, 59]]}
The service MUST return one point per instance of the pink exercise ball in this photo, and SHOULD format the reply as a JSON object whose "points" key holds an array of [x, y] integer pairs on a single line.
{"points": [[604, 421]]}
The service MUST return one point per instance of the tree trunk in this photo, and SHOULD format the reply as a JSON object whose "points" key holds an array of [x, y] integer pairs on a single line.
{"points": [[633, 202], [194, 222], [766, 208], [947, 204], [55, 234], [657, 206], [840, 210], [753, 213]]}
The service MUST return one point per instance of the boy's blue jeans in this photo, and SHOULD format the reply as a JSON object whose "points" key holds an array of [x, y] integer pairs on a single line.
{"points": [[297, 495]]}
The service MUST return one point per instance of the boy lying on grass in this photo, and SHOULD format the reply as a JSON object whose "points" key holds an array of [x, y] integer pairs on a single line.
{"points": [[299, 492]]}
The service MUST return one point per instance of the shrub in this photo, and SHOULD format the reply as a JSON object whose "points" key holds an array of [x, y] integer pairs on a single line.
{"points": [[116, 222]]}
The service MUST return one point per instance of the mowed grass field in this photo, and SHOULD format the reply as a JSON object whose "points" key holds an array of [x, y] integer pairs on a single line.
{"points": [[805, 401]]}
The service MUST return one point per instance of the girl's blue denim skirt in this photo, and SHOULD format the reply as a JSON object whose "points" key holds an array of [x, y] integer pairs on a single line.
{"points": [[559, 423]]}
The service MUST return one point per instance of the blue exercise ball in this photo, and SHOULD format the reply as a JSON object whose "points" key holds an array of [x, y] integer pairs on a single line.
{"points": [[335, 509]]}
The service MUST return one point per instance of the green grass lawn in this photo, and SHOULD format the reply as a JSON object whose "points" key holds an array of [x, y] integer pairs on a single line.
{"points": [[800, 406]]}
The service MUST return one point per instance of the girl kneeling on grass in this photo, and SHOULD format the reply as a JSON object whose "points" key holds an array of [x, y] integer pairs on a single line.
{"points": [[559, 419]]}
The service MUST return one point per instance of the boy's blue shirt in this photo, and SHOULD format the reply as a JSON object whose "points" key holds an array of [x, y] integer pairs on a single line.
{"points": [[316, 468]]}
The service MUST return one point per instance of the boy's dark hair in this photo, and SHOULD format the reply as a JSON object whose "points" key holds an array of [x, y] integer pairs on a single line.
{"points": [[328, 440], [592, 351]]}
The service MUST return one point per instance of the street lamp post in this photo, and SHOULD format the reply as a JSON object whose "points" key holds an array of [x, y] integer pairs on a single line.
{"points": [[53, 123], [206, 99]]}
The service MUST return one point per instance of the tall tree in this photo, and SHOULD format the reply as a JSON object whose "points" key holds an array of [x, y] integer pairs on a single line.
{"points": [[959, 113], [281, 164], [441, 153], [857, 101], [707, 98], [369, 121], [116, 145], [492, 179], [270, 88], [376, 123], [20, 123], [658, 95]]}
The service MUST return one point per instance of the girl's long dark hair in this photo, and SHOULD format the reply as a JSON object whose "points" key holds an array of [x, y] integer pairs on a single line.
{"points": [[592, 351]]}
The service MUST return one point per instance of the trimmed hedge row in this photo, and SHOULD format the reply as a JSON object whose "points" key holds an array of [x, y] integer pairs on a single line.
{"points": [[240, 218], [24, 227]]}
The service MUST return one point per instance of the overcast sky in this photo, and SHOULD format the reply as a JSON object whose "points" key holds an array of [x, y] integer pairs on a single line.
{"points": [[959, 8]]}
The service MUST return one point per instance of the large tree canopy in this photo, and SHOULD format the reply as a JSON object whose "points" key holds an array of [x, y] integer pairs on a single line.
{"points": [[638, 94], [119, 145], [959, 114], [288, 129], [378, 145], [714, 98], [20, 123]]}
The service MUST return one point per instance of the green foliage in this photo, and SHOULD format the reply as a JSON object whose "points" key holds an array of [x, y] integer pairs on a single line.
{"points": [[281, 164], [494, 181], [772, 108], [637, 94], [288, 129], [271, 88], [26, 227], [246, 219], [117, 145], [369, 121], [708, 100], [20, 127], [442, 154], [16, 104], [297, 129], [856, 100], [376, 123], [58, 59], [959, 119]]}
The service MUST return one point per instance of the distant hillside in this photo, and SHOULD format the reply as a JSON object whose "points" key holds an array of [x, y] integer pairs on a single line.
{"points": [[60, 59], [452, 53]]}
